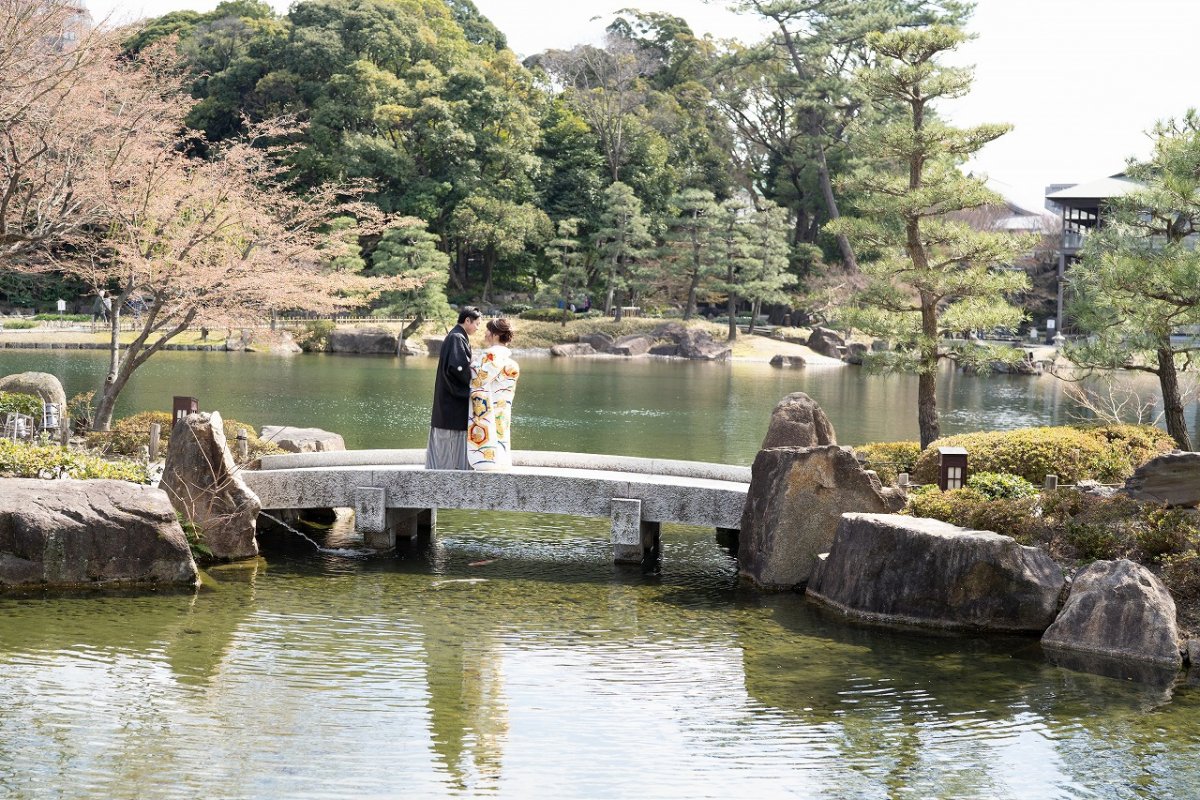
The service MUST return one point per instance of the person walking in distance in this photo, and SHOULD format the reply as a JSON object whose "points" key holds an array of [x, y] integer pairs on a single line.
{"points": [[447, 448]]}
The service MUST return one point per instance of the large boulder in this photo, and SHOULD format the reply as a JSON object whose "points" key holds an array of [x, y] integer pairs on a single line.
{"points": [[600, 342], [797, 497], [570, 350], [898, 569], [665, 350], [699, 345], [780, 360], [1173, 479], [826, 342], [303, 440], [798, 421], [67, 534], [635, 345], [855, 353], [278, 343], [363, 341], [206, 487], [411, 347], [1118, 609], [42, 384], [433, 345]]}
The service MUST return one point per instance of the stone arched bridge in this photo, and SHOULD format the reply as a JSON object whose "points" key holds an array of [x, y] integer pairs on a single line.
{"points": [[392, 494]]}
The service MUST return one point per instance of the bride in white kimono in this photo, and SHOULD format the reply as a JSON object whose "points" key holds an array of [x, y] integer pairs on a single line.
{"points": [[493, 382]]}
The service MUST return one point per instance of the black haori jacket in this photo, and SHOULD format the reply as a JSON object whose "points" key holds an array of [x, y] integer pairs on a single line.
{"points": [[452, 385]]}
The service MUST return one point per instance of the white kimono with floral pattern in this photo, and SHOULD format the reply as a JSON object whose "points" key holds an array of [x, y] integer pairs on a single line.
{"points": [[493, 382]]}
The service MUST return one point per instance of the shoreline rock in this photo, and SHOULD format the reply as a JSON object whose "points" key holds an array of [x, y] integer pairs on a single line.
{"points": [[890, 568], [68, 534]]}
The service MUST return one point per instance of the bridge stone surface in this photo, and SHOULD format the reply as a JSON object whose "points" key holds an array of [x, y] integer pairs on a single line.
{"points": [[391, 491]]}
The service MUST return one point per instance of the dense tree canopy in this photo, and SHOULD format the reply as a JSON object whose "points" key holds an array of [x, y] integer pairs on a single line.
{"points": [[423, 100]]}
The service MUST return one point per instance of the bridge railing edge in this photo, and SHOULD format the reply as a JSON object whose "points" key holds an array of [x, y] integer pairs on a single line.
{"points": [[525, 458]]}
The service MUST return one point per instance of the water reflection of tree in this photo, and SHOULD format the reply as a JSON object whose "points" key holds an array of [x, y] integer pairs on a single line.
{"points": [[959, 715], [201, 639], [467, 707]]}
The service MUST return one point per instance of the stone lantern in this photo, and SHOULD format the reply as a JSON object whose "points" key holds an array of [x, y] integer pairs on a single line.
{"points": [[952, 468], [182, 406]]}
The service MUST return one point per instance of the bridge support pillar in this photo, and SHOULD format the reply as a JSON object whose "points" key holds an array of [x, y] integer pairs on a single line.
{"points": [[632, 536], [728, 538], [427, 522], [379, 524]]}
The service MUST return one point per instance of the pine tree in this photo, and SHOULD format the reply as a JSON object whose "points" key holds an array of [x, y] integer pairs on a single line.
{"points": [[409, 250], [765, 278], [623, 241], [689, 241], [1139, 278], [933, 275], [571, 278]]}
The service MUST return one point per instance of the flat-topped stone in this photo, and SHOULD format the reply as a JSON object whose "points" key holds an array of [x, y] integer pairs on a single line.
{"points": [[303, 440]]}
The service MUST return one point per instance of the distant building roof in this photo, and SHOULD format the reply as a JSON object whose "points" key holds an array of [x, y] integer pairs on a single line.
{"points": [[1024, 222], [1095, 191]]}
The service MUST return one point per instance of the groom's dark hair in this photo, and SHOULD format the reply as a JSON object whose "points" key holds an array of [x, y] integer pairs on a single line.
{"points": [[468, 312]]}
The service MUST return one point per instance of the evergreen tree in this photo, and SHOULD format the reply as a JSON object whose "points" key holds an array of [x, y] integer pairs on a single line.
{"points": [[409, 250], [1139, 278], [733, 246], [623, 240], [689, 241], [571, 278], [765, 277], [933, 275]]}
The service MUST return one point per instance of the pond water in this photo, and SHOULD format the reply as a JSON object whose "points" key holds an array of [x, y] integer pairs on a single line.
{"points": [[510, 658], [653, 408]]}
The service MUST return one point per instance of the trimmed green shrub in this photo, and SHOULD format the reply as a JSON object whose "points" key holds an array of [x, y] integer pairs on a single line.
{"points": [[969, 508], [889, 459], [544, 314], [19, 460], [129, 435], [19, 325], [1000, 485], [313, 336], [1137, 444], [1164, 532], [1070, 525], [63, 317], [1181, 574], [19, 403], [1033, 453]]}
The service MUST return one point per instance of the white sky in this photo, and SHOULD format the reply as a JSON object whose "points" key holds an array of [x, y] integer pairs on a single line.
{"points": [[1080, 80]]}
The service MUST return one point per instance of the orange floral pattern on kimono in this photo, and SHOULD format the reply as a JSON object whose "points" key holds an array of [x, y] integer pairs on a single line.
{"points": [[493, 383]]}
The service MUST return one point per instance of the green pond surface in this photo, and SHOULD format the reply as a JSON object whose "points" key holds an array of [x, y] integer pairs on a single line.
{"points": [[653, 408], [509, 657]]}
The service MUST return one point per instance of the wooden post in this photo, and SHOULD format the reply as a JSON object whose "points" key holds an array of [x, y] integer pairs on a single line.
{"points": [[243, 444], [1051, 483], [155, 434]]}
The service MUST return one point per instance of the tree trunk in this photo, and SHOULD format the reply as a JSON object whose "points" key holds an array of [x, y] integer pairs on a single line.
{"points": [[690, 310], [1168, 380], [927, 413], [731, 307], [102, 419], [831, 207], [489, 264], [754, 309], [694, 283], [407, 331]]}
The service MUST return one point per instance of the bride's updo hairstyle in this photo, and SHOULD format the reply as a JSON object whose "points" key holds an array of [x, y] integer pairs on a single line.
{"points": [[501, 329]]}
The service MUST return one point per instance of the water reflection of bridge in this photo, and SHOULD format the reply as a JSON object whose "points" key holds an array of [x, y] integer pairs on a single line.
{"points": [[393, 495]]}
